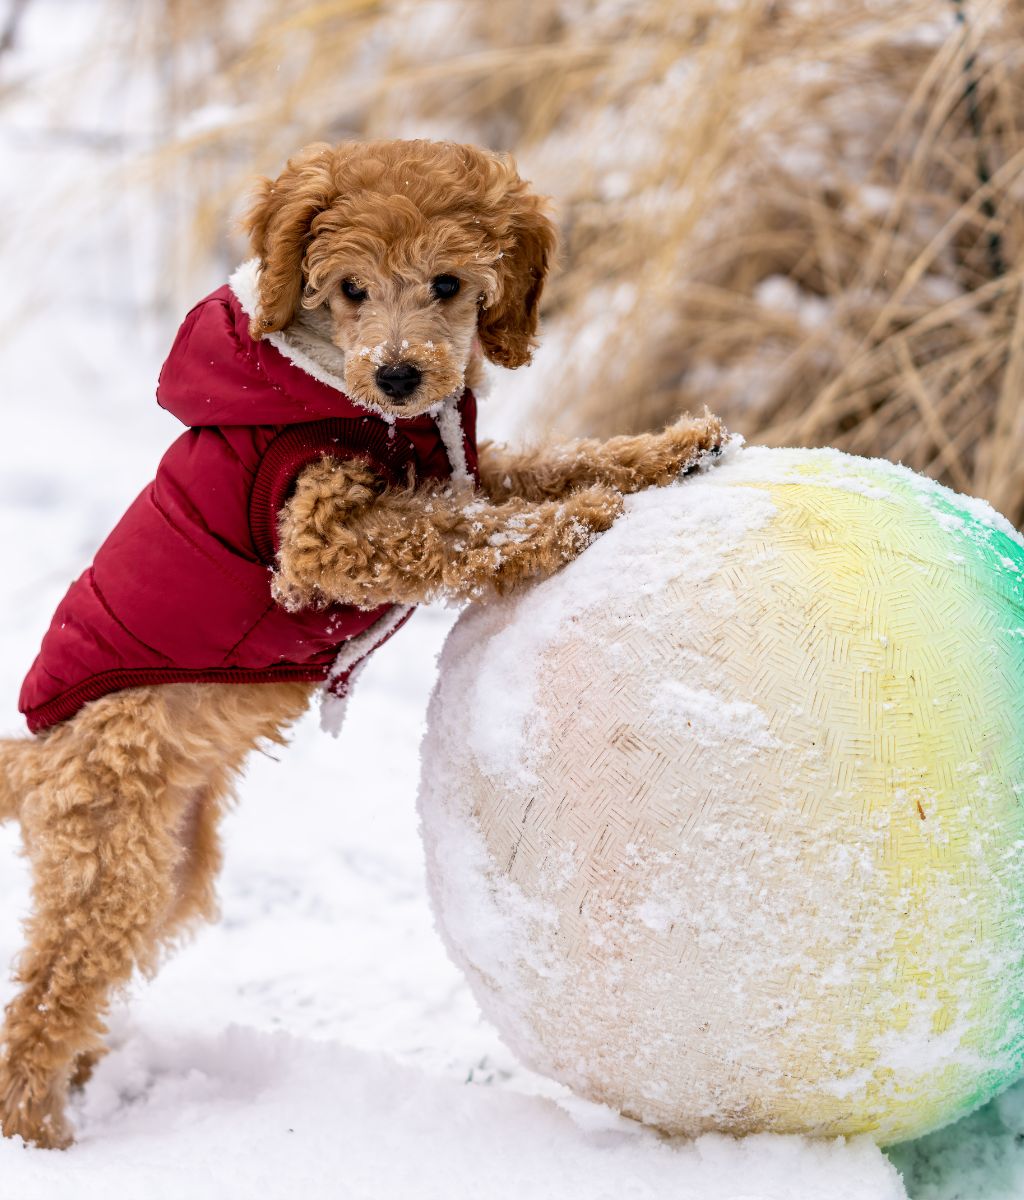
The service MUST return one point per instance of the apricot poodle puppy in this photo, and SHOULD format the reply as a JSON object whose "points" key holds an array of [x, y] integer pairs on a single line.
{"points": [[329, 479]]}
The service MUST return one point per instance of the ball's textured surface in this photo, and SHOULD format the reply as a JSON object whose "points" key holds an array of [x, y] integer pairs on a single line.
{"points": [[725, 822]]}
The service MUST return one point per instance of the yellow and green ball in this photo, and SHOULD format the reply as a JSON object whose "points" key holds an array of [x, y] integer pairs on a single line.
{"points": [[725, 822]]}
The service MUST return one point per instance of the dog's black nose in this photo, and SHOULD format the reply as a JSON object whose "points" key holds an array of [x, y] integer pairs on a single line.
{"points": [[398, 381]]}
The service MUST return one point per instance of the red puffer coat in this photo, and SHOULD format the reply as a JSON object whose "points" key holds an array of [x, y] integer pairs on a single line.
{"points": [[180, 590]]}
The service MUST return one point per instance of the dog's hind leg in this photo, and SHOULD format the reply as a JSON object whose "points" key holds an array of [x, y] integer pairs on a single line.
{"points": [[100, 834], [195, 876], [243, 717], [14, 757], [193, 896], [107, 830]]}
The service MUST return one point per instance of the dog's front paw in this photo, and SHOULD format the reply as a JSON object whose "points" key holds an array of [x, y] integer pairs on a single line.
{"points": [[684, 444], [585, 514], [597, 507], [541, 540]]}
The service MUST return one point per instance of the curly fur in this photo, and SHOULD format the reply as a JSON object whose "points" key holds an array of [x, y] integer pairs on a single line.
{"points": [[346, 537], [627, 464], [119, 810], [120, 805], [11, 753], [391, 216]]}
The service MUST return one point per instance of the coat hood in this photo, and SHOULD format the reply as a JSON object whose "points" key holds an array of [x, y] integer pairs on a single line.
{"points": [[216, 374]]}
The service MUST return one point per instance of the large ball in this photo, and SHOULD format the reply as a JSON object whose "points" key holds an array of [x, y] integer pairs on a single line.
{"points": [[725, 822]]}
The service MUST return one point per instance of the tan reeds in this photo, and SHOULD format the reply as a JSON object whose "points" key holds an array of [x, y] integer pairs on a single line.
{"points": [[828, 264], [806, 216]]}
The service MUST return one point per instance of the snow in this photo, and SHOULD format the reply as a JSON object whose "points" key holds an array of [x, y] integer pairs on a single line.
{"points": [[509, 734], [317, 1040], [712, 721], [836, 469], [390, 1131], [546, 910]]}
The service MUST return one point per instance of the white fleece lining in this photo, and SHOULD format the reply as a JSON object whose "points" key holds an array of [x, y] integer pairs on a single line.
{"points": [[449, 426], [350, 660], [244, 283]]}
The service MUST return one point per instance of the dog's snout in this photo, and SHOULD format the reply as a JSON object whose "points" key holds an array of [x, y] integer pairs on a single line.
{"points": [[399, 380]]}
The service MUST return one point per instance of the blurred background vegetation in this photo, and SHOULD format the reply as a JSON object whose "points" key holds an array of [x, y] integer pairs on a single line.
{"points": [[805, 214]]}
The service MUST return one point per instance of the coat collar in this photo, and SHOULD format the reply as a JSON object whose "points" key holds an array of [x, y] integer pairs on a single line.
{"points": [[244, 285], [447, 415]]}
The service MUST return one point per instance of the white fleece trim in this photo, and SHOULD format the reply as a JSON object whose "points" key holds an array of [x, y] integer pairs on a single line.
{"points": [[351, 659], [333, 708], [244, 282], [449, 425]]}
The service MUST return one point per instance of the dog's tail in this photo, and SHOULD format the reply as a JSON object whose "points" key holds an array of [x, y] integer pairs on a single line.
{"points": [[10, 753]]}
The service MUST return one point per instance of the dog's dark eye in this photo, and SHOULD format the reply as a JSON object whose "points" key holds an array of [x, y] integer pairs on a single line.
{"points": [[444, 286], [352, 290]]}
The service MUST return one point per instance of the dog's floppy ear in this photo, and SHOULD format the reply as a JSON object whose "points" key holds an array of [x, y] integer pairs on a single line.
{"points": [[278, 224], [508, 327]]}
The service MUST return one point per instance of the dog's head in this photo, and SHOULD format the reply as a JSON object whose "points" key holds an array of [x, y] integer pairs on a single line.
{"points": [[408, 255]]}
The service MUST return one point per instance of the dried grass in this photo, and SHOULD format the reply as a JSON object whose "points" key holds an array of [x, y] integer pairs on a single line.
{"points": [[805, 215], [827, 249]]}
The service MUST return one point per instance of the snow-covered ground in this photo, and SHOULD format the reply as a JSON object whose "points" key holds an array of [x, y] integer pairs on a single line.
{"points": [[316, 1041], [317, 1037]]}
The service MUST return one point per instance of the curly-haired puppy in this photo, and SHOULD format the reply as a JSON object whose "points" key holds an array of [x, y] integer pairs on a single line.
{"points": [[328, 478]]}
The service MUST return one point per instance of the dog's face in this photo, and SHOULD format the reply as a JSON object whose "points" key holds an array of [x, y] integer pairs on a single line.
{"points": [[407, 256]]}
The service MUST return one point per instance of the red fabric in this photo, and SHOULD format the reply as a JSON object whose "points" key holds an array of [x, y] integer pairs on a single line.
{"points": [[180, 590]]}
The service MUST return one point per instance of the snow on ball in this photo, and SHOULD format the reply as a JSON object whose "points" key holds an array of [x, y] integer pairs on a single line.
{"points": [[725, 822]]}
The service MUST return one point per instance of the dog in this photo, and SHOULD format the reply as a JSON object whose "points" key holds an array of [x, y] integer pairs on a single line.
{"points": [[328, 479]]}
